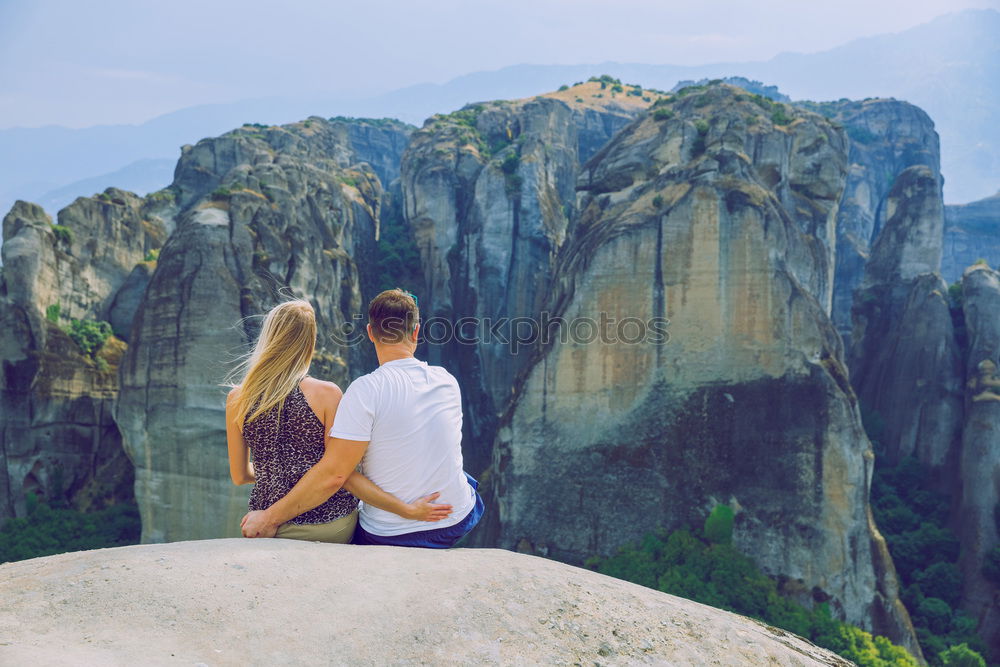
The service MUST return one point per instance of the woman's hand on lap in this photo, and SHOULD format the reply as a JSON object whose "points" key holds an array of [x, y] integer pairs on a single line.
{"points": [[255, 525]]}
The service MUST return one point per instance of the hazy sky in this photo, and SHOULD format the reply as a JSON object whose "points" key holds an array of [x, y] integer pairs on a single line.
{"points": [[78, 63]]}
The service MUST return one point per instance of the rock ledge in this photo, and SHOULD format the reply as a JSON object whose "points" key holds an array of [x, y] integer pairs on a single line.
{"points": [[234, 601]]}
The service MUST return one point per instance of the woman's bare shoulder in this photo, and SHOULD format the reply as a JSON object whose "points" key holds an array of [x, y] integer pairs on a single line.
{"points": [[321, 386]]}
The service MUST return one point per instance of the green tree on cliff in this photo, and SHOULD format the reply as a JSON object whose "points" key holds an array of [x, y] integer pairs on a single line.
{"points": [[54, 529], [708, 569]]}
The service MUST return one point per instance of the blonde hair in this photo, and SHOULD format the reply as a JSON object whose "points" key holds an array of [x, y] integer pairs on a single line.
{"points": [[278, 362]]}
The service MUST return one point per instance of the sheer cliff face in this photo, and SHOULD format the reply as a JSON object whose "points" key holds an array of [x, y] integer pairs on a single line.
{"points": [[886, 137], [263, 213], [803, 171], [905, 361], [980, 457], [971, 233], [58, 435], [720, 221], [489, 193]]}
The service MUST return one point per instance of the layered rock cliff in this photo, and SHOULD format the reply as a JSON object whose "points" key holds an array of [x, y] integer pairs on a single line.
{"points": [[971, 233], [717, 213], [262, 214], [57, 435], [906, 363], [979, 507], [886, 137], [489, 192]]}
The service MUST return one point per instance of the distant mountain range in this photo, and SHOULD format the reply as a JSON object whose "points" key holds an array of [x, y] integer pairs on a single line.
{"points": [[950, 67]]}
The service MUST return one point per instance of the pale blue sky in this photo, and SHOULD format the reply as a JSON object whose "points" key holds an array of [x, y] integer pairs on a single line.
{"points": [[123, 61]]}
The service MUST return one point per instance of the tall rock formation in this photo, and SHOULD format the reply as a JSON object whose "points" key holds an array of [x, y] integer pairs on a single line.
{"points": [[57, 435], [979, 512], [886, 137], [971, 233], [926, 382], [489, 192], [906, 364], [716, 214], [262, 213]]}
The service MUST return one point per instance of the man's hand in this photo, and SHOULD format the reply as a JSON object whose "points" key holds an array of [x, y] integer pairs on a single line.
{"points": [[424, 509], [255, 524]]}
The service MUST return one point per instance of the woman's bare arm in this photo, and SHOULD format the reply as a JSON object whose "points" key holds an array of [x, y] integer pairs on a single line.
{"points": [[240, 467]]}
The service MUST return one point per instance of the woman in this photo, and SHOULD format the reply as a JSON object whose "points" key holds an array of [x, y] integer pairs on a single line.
{"points": [[281, 416]]}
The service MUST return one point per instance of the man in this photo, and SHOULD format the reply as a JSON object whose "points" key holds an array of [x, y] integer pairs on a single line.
{"points": [[403, 423]]}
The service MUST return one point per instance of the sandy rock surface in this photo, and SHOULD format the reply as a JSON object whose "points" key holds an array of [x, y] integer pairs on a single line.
{"points": [[274, 602]]}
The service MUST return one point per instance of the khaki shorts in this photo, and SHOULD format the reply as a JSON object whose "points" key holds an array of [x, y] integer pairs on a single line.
{"points": [[338, 532]]}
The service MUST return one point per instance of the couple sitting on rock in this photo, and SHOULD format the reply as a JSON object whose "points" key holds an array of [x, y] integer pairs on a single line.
{"points": [[402, 423]]}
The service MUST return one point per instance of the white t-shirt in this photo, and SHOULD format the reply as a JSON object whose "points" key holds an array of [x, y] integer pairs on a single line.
{"points": [[411, 415]]}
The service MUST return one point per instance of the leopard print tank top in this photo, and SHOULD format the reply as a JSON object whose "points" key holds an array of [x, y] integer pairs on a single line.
{"points": [[283, 450]]}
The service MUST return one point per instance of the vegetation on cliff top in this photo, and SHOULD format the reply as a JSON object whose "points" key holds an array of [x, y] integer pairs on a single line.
{"points": [[391, 123], [750, 85], [703, 95]]}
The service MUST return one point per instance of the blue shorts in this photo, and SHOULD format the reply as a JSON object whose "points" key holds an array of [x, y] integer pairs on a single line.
{"points": [[437, 538]]}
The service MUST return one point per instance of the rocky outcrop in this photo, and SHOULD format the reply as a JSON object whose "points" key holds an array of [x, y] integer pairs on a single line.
{"points": [[886, 137], [600, 110], [489, 192], [719, 219], [379, 142], [923, 365], [909, 244], [906, 363], [129, 297], [918, 345], [57, 436], [979, 511], [301, 205], [148, 605], [262, 214], [81, 262], [971, 233]]}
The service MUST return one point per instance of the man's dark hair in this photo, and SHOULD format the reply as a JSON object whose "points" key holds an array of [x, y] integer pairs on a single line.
{"points": [[393, 315]]}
